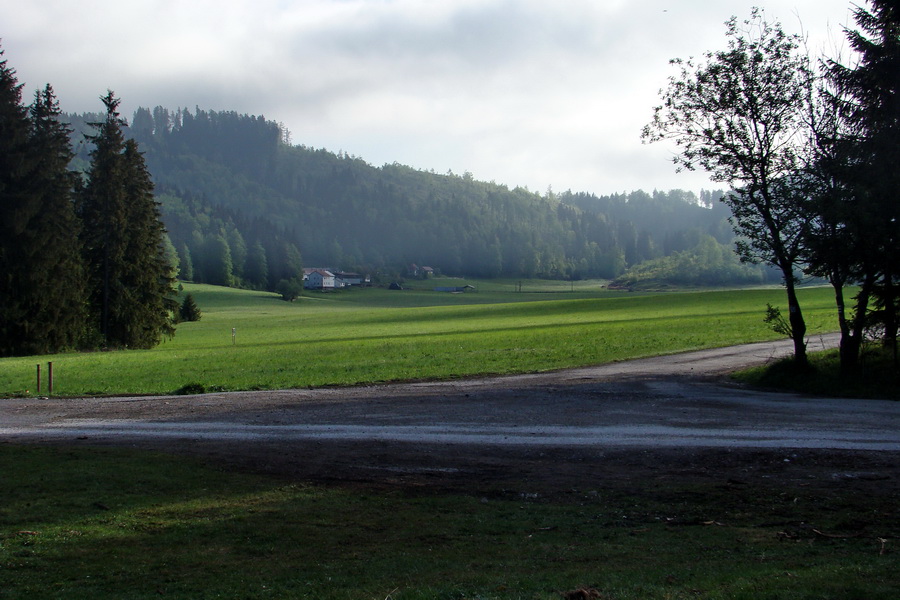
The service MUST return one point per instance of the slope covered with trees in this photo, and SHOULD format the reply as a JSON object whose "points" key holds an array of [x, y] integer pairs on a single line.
{"points": [[244, 207]]}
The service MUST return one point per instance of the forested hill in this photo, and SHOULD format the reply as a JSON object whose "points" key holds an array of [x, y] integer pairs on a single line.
{"points": [[243, 206]]}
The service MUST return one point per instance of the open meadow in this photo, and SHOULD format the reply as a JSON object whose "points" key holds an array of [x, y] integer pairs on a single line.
{"points": [[82, 519], [254, 340]]}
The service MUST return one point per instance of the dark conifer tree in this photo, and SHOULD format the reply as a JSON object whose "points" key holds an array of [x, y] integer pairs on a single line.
{"points": [[186, 266], [53, 287], [257, 268], [868, 99], [15, 205], [148, 277], [102, 211], [189, 309], [41, 302], [129, 281]]}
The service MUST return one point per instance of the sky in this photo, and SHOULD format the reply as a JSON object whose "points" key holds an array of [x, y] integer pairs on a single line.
{"points": [[531, 93]]}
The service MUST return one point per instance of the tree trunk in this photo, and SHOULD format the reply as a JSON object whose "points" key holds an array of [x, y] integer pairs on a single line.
{"points": [[798, 325], [849, 346], [851, 341], [890, 314]]}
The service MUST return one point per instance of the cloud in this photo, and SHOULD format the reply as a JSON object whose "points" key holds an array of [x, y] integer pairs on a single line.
{"points": [[519, 91]]}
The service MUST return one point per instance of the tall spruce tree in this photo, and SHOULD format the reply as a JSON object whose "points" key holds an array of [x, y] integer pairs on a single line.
{"points": [[41, 291], [129, 282], [53, 286], [15, 204], [868, 96], [149, 277]]}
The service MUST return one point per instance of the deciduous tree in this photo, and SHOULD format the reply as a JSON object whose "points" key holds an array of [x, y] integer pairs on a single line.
{"points": [[740, 116]]}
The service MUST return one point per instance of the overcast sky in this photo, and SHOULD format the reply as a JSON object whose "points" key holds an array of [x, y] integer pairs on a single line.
{"points": [[521, 92]]}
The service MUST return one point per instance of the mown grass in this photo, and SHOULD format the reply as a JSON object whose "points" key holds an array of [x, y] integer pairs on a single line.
{"points": [[90, 523], [376, 335]]}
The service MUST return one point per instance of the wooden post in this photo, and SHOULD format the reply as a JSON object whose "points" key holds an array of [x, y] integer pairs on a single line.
{"points": [[39, 378], [50, 378]]}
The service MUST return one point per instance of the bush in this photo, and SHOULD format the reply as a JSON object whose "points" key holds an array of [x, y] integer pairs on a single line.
{"points": [[289, 289]]}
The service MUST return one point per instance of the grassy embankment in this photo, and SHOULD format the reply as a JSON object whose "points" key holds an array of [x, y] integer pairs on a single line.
{"points": [[375, 335], [118, 524]]}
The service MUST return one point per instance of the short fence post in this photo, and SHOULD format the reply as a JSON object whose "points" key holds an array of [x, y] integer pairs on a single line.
{"points": [[50, 378], [38, 378]]}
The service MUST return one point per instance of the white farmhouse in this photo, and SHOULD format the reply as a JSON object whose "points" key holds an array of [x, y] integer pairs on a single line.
{"points": [[318, 279]]}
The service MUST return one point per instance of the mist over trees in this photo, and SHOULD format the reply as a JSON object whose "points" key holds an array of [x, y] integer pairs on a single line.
{"points": [[232, 191]]}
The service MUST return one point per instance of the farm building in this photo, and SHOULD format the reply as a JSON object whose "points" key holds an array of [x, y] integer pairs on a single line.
{"points": [[318, 279]]}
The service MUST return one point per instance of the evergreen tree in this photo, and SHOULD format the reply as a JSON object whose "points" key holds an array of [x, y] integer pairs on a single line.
{"points": [[238, 249], [16, 208], [868, 98], [171, 256], [256, 270], [129, 282], [218, 268], [102, 211], [149, 275], [41, 302], [186, 264], [54, 290], [189, 309]]}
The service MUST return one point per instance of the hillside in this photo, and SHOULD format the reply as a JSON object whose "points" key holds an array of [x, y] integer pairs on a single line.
{"points": [[243, 206]]}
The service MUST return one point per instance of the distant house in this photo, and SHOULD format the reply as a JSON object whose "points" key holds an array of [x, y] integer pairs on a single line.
{"points": [[318, 279], [415, 270]]}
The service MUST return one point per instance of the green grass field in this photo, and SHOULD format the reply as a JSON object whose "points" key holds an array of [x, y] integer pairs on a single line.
{"points": [[377, 335], [119, 524], [112, 523]]}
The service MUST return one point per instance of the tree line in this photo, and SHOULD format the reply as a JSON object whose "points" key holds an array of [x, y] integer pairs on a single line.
{"points": [[242, 207], [82, 255], [808, 147]]}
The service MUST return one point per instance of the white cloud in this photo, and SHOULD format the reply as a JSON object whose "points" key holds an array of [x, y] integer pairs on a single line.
{"points": [[524, 92]]}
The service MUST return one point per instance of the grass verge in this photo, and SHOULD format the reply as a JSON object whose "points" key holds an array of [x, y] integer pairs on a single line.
{"points": [[100, 523], [877, 376]]}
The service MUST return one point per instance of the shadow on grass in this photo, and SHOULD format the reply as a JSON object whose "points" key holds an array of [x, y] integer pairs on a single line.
{"points": [[877, 376], [106, 523]]}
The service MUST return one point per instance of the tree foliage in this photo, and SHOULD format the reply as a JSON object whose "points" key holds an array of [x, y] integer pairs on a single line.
{"points": [[129, 280], [189, 310], [41, 291], [741, 116], [860, 213], [338, 211]]}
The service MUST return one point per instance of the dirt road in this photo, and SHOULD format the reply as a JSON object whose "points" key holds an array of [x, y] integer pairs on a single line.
{"points": [[652, 419]]}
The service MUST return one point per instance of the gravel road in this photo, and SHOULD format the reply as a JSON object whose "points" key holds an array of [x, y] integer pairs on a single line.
{"points": [[663, 417]]}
